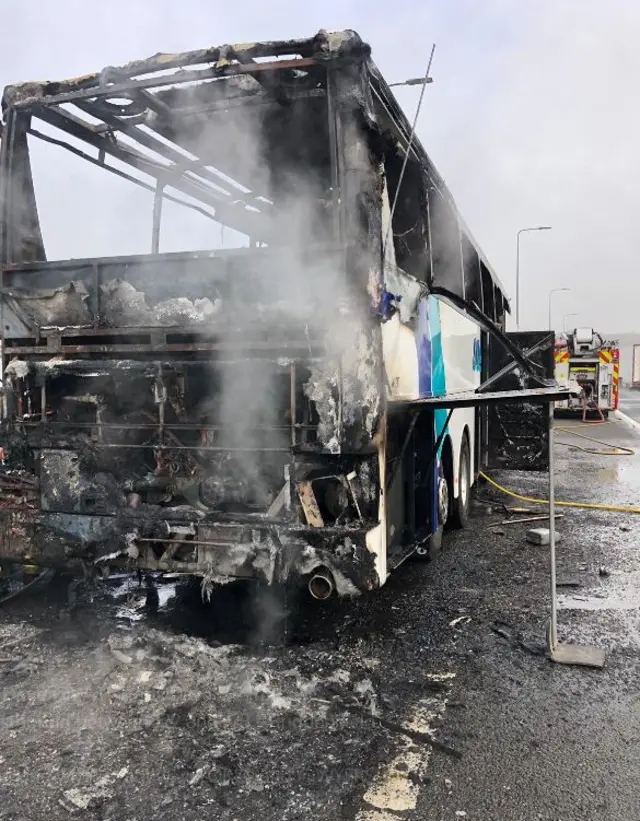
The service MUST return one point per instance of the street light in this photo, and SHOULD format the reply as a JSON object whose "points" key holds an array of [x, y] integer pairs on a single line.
{"points": [[523, 231], [551, 292], [414, 81], [564, 318]]}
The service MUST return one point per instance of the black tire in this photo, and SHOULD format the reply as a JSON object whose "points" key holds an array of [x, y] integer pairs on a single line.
{"points": [[459, 506]]}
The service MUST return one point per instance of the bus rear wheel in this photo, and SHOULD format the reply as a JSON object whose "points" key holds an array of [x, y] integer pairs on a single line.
{"points": [[459, 510]]}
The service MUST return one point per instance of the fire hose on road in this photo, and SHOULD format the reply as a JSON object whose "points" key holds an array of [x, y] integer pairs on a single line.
{"points": [[613, 450]]}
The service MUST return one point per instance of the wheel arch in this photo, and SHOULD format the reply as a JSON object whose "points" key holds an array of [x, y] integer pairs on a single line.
{"points": [[466, 434], [471, 445], [451, 457], [447, 460]]}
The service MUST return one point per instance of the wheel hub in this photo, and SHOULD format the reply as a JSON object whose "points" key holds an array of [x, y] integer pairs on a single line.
{"points": [[464, 484], [443, 500]]}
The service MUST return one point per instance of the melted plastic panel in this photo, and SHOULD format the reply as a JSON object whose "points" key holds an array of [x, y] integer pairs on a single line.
{"points": [[518, 432]]}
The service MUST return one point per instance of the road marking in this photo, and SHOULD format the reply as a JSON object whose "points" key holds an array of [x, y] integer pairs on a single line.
{"points": [[397, 786]]}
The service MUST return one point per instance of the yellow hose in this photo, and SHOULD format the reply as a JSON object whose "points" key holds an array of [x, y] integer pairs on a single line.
{"points": [[586, 505], [615, 450]]}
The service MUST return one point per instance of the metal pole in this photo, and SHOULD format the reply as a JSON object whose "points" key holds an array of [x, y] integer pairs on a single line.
{"points": [[522, 231], [551, 293], [552, 534], [157, 216], [518, 281]]}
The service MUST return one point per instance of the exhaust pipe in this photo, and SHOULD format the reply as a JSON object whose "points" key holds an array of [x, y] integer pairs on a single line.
{"points": [[321, 584]]}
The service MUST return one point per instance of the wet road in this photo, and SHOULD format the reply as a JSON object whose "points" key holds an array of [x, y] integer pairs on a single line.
{"points": [[630, 403], [543, 741], [427, 700]]}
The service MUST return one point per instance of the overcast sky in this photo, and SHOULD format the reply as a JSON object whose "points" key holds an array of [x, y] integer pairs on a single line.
{"points": [[532, 118]]}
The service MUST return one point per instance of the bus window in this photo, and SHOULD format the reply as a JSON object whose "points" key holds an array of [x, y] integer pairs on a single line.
{"points": [[471, 268], [410, 222], [489, 306], [446, 253]]}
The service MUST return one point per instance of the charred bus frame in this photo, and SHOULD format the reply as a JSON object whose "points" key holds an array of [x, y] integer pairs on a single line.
{"points": [[327, 512]]}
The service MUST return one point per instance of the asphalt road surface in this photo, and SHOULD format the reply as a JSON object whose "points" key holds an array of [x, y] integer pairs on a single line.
{"points": [[629, 403], [431, 699]]}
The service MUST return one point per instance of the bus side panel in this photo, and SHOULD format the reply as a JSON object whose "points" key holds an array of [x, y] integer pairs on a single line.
{"points": [[462, 358]]}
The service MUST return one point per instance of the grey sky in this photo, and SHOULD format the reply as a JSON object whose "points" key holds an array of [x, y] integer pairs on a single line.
{"points": [[532, 118]]}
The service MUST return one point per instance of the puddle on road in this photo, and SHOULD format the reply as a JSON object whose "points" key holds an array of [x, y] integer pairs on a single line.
{"points": [[620, 591], [608, 474], [627, 601]]}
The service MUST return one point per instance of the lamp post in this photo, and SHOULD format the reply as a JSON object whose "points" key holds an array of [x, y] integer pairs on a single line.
{"points": [[564, 318], [523, 231], [551, 292], [414, 81]]}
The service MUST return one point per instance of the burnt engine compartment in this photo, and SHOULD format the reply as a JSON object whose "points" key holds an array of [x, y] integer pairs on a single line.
{"points": [[133, 435]]}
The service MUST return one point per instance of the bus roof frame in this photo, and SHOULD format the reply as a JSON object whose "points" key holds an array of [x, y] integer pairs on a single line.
{"points": [[258, 59]]}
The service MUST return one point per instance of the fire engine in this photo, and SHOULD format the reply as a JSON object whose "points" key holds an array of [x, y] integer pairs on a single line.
{"points": [[583, 356]]}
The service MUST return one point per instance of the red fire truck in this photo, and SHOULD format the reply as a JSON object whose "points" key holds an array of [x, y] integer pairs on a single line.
{"points": [[583, 356]]}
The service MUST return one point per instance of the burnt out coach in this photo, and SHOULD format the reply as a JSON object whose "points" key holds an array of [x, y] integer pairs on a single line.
{"points": [[289, 374]]}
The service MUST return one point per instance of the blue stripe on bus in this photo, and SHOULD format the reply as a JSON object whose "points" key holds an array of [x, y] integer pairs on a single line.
{"points": [[438, 378], [431, 372], [423, 342], [438, 388]]}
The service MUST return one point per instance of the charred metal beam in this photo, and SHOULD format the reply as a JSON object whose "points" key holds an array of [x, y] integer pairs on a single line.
{"points": [[267, 80], [335, 159], [123, 88], [511, 366], [157, 217], [293, 409], [166, 348], [472, 399], [195, 427], [163, 62], [199, 448], [151, 101]]}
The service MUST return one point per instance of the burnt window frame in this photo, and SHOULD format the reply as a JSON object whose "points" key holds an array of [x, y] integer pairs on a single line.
{"points": [[20, 116]]}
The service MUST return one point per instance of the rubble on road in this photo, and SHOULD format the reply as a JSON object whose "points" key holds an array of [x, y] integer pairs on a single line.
{"points": [[540, 536], [141, 705]]}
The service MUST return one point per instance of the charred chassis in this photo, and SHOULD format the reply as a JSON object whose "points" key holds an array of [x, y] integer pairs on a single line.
{"points": [[200, 412]]}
